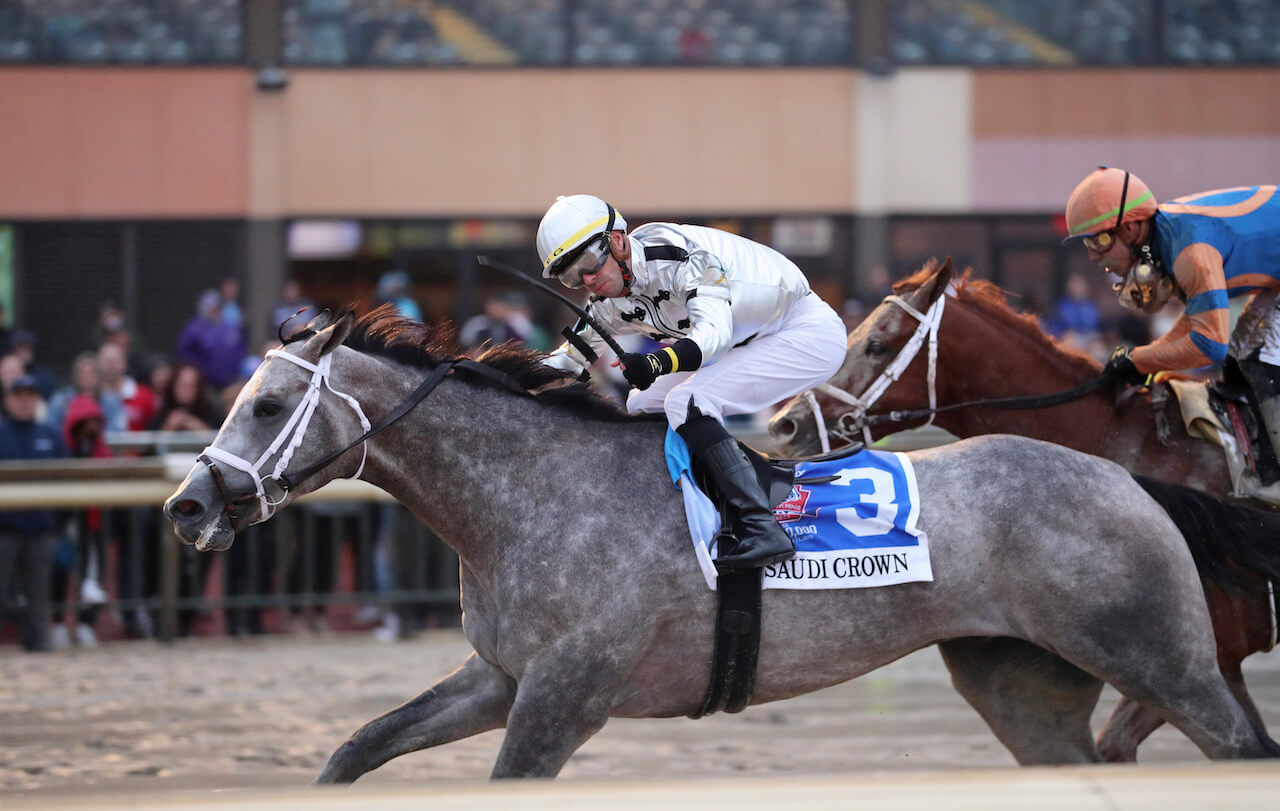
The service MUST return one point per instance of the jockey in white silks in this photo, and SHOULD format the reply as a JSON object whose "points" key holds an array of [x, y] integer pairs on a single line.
{"points": [[742, 331]]}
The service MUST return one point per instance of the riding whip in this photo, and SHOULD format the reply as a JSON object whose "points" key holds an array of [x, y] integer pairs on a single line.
{"points": [[503, 267]]}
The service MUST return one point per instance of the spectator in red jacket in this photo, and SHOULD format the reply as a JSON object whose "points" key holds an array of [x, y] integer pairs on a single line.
{"points": [[83, 431], [138, 401]]}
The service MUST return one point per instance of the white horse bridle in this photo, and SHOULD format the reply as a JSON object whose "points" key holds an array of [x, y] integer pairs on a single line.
{"points": [[928, 327], [293, 432]]}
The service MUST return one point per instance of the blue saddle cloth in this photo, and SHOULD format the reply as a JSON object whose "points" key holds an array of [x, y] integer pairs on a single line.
{"points": [[856, 531]]}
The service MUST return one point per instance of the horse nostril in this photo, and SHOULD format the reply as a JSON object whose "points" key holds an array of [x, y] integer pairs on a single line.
{"points": [[186, 508], [784, 428]]}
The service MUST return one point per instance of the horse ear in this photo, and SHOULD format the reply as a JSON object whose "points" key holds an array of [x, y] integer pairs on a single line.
{"points": [[329, 338], [946, 272], [339, 332], [941, 279]]}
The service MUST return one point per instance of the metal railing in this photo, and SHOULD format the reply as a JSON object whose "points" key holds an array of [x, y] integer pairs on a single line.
{"points": [[349, 543]]}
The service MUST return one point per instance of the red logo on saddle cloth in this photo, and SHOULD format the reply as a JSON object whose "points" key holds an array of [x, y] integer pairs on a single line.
{"points": [[793, 508]]}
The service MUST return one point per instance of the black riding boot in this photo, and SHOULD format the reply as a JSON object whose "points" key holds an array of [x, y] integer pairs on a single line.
{"points": [[760, 540]]}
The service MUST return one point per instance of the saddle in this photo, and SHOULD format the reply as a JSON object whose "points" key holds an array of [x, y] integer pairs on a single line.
{"points": [[1225, 412], [737, 639], [1237, 408]]}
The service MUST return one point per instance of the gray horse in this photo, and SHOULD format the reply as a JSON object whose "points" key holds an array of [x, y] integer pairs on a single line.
{"points": [[1054, 571]]}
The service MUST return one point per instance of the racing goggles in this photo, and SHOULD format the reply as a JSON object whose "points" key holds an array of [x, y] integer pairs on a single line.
{"points": [[1103, 240], [587, 259]]}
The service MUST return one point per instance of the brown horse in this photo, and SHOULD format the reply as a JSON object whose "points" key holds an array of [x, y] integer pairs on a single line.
{"points": [[985, 350]]}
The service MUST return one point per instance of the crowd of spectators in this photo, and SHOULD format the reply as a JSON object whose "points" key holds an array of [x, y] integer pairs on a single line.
{"points": [[63, 559], [58, 568], [49, 558]]}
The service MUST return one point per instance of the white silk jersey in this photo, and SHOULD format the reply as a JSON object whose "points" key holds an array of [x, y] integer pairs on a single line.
{"points": [[718, 289]]}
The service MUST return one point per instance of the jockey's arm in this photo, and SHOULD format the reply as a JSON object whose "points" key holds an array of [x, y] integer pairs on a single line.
{"points": [[711, 320], [1200, 334]]}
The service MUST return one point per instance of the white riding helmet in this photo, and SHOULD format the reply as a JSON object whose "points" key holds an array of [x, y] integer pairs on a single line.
{"points": [[571, 223]]}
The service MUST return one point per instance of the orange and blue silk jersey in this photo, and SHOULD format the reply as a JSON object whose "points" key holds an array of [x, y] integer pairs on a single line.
{"points": [[1218, 245]]}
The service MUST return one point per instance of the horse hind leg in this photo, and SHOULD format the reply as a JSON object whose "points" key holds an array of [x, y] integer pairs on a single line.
{"points": [[1037, 704], [1199, 703], [1130, 724], [1170, 666], [473, 699]]}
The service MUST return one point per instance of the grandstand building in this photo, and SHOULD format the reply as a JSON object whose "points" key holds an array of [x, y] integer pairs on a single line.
{"points": [[152, 147]]}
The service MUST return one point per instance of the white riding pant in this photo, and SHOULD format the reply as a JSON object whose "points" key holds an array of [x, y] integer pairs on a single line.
{"points": [[805, 351], [1258, 327]]}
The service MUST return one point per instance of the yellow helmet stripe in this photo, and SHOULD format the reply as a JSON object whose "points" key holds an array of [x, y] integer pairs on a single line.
{"points": [[577, 235]]}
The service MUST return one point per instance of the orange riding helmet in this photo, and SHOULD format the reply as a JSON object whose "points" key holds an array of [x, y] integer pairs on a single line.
{"points": [[1094, 208]]}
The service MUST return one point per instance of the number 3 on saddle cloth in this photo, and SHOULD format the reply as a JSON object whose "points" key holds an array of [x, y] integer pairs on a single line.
{"points": [[852, 517]]}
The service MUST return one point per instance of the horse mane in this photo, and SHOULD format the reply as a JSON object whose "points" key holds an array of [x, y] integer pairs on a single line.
{"points": [[988, 297], [383, 332]]}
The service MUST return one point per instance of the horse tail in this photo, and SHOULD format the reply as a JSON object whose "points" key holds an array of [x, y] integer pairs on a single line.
{"points": [[1227, 539]]}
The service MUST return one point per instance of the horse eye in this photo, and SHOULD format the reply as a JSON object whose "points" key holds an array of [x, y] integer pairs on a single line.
{"points": [[266, 408], [876, 348]]}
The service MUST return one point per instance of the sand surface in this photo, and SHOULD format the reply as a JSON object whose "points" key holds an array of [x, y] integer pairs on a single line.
{"points": [[267, 712]]}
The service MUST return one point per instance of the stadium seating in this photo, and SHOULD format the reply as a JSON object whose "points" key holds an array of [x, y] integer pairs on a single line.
{"points": [[409, 33], [363, 32], [121, 31]]}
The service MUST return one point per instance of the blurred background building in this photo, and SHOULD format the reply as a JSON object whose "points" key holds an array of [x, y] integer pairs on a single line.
{"points": [[153, 148]]}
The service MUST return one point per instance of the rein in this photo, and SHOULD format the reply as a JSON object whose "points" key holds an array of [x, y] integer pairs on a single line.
{"points": [[1026, 401], [930, 321], [301, 417]]}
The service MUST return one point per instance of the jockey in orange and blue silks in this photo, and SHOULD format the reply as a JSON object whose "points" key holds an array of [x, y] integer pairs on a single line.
{"points": [[1206, 248]]}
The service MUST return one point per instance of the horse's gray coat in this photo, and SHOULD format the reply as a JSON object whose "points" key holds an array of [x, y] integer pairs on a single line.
{"points": [[1054, 572]]}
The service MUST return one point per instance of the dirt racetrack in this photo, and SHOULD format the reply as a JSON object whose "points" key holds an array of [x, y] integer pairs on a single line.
{"points": [[267, 712]]}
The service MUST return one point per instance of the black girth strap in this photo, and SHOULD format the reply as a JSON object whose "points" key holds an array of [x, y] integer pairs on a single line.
{"points": [[737, 646]]}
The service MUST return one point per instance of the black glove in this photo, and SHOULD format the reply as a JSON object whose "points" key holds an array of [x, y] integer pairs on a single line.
{"points": [[1121, 371], [640, 370]]}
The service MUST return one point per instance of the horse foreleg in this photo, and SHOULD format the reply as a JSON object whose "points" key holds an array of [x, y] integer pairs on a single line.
{"points": [[1235, 680], [473, 699], [1037, 704], [1242, 625], [555, 712]]}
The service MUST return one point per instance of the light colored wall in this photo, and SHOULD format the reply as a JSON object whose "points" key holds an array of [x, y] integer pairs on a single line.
{"points": [[123, 143], [106, 142], [913, 142], [1036, 134], [417, 143]]}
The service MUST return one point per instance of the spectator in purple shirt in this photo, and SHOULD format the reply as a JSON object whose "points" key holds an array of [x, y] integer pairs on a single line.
{"points": [[212, 345]]}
